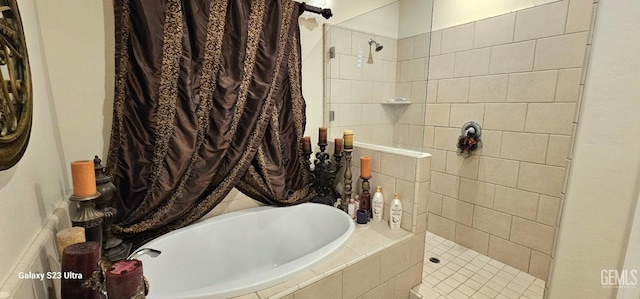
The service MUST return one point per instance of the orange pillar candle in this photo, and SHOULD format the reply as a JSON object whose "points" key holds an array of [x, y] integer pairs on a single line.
{"points": [[348, 139], [306, 144], [84, 178], [365, 166], [322, 135], [69, 236], [338, 147]]}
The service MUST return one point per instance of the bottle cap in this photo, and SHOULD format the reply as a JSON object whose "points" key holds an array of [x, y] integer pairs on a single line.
{"points": [[379, 189], [396, 196]]}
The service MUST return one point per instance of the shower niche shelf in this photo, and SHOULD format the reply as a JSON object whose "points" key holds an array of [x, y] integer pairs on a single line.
{"points": [[396, 103]]}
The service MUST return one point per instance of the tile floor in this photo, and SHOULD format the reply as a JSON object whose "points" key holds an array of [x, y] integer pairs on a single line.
{"points": [[464, 273]]}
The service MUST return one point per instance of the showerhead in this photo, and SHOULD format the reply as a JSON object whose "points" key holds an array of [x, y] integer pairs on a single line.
{"points": [[378, 46]]}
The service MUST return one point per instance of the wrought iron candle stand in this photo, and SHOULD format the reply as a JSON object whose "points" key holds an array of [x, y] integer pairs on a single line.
{"points": [[88, 217], [323, 174], [347, 180], [365, 197]]}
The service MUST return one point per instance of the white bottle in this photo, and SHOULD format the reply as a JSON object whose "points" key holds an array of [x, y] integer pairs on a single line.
{"points": [[352, 208], [395, 213], [377, 204]]}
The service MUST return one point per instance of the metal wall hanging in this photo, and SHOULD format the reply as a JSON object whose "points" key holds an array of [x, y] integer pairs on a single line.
{"points": [[16, 100]]}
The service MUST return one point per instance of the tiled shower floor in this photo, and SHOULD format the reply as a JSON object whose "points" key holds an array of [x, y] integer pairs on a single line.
{"points": [[464, 273]]}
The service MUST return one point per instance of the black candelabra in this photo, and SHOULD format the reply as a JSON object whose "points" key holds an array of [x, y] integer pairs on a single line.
{"points": [[324, 173]]}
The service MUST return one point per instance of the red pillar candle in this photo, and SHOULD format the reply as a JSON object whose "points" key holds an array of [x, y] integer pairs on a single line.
{"points": [[338, 146], [348, 139], [365, 166], [79, 261], [306, 144], [124, 279], [322, 135]]}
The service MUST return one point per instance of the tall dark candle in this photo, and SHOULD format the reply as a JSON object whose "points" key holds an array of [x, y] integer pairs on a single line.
{"points": [[124, 278], [306, 144], [338, 146], [322, 135], [79, 261]]}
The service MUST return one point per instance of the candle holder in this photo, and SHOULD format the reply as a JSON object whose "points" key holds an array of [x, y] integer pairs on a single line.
{"points": [[365, 197], [88, 217], [347, 179], [323, 175]]}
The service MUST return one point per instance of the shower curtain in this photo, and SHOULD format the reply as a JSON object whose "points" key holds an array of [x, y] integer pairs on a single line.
{"points": [[207, 98]]}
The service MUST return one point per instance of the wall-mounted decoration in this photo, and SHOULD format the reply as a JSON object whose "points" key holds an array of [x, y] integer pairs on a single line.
{"points": [[16, 100]]}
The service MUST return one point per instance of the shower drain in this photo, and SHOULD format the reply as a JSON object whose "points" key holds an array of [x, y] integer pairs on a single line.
{"points": [[434, 260]]}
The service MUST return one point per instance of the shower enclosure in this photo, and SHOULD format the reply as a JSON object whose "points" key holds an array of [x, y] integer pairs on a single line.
{"points": [[376, 73]]}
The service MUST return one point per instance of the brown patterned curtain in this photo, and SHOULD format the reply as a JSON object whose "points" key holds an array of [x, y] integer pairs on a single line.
{"points": [[207, 97]]}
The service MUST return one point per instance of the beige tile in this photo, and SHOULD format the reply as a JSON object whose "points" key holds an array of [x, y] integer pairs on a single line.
{"points": [[441, 66], [524, 146], [436, 43], [341, 40], [376, 70], [421, 45], [441, 226], [493, 222], [383, 91], [491, 143], [568, 85], [359, 43], [361, 277], [438, 159], [429, 134], [508, 117], [403, 89], [366, 241], [398, 166], [340, 91], [412, 70], [383, 291], [458, 38], [406, 191], [361, 91], [494, 31], [461, 166], [437, 115], [541, 21], [463, 113], [541, 178], [445, 184], [424, 169], [434, 203], [516, 202], [565, 51], [407, 280], [477, 192], [532, 234], [350, 68], [405, 48], [413, 115], [339, 259], [472, 62], [457, 210], [419, 92], [512, 254], [579, 17], [539, 265], [516, 57], [558, 150], [498, 171], [472, 238], [553, 118], [488, 89], [289, 284], [421, 224], [395, 259], [330, 287], [250, 296], [532, 87], [548, 210], [417, 248], [446, 138], [390, 50], [432, 90], [390, 69], [453, 90], [373, 114]]}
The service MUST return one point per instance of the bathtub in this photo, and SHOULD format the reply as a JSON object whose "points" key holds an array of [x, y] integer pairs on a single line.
{"points": [[244, 251]]}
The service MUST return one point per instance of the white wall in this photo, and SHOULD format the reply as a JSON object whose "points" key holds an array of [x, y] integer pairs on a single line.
{"points": [[632, 260], [413, 17], [449, 13], [603, 181], [30, 190]]}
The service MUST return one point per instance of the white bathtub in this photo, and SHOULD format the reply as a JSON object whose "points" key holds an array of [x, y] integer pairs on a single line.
{"points": [[244, 251]]}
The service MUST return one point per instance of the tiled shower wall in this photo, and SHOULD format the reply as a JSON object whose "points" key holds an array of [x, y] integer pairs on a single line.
{"points": [[519, 75]]}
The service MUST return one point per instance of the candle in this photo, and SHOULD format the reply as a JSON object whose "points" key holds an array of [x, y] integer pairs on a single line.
{"points": [[79, 261], [338, 146], [361, 216], [69, 236], [306, 144], [365, 166], [322, 135], [124, 278], [348, 139], [84, 178]]}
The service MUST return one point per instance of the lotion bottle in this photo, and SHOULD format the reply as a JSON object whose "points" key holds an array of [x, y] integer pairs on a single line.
{"points": [[377, 204], [395, 213]]}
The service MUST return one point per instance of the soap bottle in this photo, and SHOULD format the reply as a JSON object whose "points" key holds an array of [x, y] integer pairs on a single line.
{"points": [[357, 203], [395, 213], [352, 208], [377, 204]]}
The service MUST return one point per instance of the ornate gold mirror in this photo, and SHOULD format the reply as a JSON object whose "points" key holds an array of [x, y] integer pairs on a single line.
{"points": [[16, 100]]}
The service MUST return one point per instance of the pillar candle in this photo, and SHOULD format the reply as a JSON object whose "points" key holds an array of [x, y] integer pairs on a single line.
{"points": [[124, 278], [348, 139], [306, 144], [69, 236], [338, 146], [365, 166], [79, 261], [322, 135], [84, 178]]}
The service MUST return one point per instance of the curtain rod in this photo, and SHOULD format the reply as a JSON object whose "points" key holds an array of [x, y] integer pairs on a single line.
{"points": [[325, 12]]}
